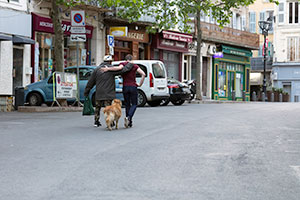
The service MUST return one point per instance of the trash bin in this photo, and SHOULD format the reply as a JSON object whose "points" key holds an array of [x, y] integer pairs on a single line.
{"points": [[19, 97]]}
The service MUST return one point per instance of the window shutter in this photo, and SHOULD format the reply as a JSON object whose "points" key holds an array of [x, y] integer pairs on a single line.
{"points": [[234, 20], [281, 13], [252, 23]]}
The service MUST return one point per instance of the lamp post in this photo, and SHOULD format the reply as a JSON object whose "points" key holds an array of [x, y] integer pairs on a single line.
{"points": [[265, 26]]}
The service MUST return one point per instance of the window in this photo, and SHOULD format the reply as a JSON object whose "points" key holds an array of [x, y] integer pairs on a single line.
{"points": [[142, 68], [290, 13], [84, 73], [293, 53], [281, 13], [239, 84], [293, 13], [222, 83], [234, 20], [243, 23], [261, 18], [158, 70], [270, 17], [252, 22]]}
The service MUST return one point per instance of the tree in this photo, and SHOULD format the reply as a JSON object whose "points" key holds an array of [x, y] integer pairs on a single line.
{"points": [[169, 14]]}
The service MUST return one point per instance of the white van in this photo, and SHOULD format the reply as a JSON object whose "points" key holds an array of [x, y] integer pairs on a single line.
{"points": [[155, 88]]}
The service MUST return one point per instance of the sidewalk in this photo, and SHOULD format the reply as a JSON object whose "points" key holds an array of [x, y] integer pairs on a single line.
{"points": [[211, 101], [49, 109]]}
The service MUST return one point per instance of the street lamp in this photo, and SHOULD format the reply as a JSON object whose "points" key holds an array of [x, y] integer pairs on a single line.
{"points": [[265, 26]]}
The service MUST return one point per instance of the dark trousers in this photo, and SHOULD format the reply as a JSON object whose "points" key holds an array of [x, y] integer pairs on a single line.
{"points": [[99, 104], [130, 98]]}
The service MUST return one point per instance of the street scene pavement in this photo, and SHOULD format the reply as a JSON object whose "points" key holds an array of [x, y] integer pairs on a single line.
{"points": [[195, 151]]}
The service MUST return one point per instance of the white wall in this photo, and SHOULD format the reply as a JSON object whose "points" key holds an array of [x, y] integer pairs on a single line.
{"points": [[20, 5], [6, 66], [27, 69]]}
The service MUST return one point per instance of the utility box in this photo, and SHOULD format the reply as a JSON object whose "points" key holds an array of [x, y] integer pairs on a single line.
{"points": [[19, 97]]}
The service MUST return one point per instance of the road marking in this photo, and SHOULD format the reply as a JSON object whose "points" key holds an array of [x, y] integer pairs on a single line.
{"points": [[297, 169]]}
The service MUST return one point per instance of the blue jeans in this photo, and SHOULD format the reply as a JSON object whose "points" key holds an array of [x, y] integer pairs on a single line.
{"points": [[130, 100]]}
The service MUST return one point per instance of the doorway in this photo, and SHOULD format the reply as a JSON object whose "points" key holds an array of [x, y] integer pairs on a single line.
{"points": [[287, 88], [230, 84], [17, 67]]}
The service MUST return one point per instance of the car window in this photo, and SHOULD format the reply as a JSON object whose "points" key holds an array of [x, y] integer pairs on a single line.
{"points": [[50, 80], [84, 73], [144, 68], [158, 70]]}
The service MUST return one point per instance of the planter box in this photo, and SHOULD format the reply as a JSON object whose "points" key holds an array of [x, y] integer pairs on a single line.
{"points": [[286, 98]]}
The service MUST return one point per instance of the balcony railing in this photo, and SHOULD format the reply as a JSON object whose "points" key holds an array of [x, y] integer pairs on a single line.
{"points": [[212, 32], [257, 64]]}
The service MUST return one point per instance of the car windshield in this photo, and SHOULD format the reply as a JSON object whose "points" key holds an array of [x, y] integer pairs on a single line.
{"points": [[158, 70]]}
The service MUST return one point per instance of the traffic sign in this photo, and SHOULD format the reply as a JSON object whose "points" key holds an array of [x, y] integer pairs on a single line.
{"points": [[77, 18], [110, 41], [78, 38], [111, 50], [78, 29]]}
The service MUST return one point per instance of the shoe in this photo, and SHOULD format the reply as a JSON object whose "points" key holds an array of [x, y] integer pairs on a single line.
{"points": [[126, 122], [130, 123], [97, 124]]}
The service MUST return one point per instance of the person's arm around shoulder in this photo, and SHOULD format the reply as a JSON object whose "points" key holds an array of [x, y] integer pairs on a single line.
{"points": [[142, 73], [117, 68]]}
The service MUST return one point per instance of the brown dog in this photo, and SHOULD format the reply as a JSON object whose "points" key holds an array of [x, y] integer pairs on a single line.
{"points": [[113, 113]]}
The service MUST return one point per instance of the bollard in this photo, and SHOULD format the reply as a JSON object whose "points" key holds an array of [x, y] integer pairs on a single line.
{"points": [[280, 97], [233, 95], [254, 96], [296, 98], [272, 97], [263, 96]]}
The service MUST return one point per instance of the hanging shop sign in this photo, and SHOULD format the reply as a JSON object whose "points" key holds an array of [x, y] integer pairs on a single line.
{"points": [[118, 31]]}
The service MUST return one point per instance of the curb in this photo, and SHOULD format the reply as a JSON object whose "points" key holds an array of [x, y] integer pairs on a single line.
{"points": [[217, 102], [48, 109]]}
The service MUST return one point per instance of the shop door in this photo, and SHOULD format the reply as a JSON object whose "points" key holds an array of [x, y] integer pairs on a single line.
{"points": [[230, 84], [17, 67]]}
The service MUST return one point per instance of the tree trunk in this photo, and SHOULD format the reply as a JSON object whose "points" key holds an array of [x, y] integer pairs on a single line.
{"points": [[58, 37], [199, 57]]}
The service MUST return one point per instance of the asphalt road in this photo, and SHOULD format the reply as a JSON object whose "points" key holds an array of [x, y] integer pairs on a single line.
{"points": [[190, 152]]}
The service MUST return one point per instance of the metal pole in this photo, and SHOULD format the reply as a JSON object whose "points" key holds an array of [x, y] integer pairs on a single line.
{"points": [[265, 64], [78, 90]]}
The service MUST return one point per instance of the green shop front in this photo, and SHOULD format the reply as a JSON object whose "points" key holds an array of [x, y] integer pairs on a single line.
{"points": [[231, 74]]}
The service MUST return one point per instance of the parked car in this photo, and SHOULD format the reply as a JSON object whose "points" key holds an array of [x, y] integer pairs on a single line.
{"points": [[179, 92], [155, 89], [42, 91]]}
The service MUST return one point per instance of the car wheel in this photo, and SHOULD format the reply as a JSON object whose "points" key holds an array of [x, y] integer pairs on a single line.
{"points": [[178, 102], [141, 99], [35, 99], [154, 103], [165, 102]]}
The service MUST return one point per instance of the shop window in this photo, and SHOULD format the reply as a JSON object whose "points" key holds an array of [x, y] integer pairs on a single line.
{"points": [[247, 80], [222, 83], [239, 84], [216, 77]]}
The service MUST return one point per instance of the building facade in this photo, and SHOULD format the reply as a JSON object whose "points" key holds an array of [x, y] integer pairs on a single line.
{"points": [[286, 65], [261, 10], [15, 45]]}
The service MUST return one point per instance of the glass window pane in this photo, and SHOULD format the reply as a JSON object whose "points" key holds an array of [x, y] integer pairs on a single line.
{"points": [[222, 83], [290, 13]]}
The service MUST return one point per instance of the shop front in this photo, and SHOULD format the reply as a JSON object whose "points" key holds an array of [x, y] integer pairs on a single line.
{"points": [[169, 46], [129, 41], [231, 74], [43, 50]]}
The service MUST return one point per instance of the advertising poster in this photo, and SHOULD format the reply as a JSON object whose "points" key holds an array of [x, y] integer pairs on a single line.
{"points": [[66, 85]]}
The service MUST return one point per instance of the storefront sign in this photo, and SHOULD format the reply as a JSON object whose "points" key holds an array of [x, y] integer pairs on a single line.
{"points": [[237, 53], [136, 36], [65, 85], [171, 43], [218, 55], [118, 31], [44, 24], [177, 36]]}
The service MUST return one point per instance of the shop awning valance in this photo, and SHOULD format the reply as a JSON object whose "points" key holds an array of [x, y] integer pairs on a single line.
{"points": [[5, 37], [22, 40]]}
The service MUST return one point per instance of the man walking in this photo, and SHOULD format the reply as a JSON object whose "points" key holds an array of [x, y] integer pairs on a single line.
{"points": [[105, 86], [129, 87]]}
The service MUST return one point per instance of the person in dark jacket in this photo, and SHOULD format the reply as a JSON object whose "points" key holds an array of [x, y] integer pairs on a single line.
{"points": [[105, 86]]}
